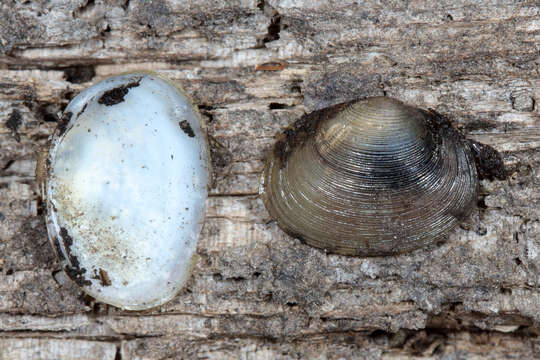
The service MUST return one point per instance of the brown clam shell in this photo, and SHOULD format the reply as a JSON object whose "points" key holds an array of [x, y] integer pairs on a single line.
{"points": [[369, 177]]}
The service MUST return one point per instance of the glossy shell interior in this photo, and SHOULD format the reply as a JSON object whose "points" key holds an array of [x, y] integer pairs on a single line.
{"points": [[372, 177], [126, 189]]}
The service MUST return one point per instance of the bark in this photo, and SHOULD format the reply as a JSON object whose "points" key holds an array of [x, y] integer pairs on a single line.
{"points": [[253, 67]]}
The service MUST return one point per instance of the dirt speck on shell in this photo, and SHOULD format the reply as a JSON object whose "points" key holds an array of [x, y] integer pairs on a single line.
{"points": [[116, 95], [104, 278], [184, 125]]}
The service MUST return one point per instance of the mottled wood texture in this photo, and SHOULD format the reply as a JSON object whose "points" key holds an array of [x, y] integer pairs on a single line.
{"points": [[255, 292]]}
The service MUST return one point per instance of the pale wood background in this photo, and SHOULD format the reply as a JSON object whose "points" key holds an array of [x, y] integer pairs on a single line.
{"points": [[255, 292]]}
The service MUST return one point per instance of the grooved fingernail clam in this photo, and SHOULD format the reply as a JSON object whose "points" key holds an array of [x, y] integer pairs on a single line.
{"points": [[370, 177], [125, 182]]}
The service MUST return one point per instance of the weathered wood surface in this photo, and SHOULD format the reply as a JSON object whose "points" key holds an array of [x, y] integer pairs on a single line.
{"points": [[256, 293]]}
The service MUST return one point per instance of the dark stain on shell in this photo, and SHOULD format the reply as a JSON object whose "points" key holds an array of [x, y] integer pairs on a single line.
{"points": [[77, 275], [184, 125], [64, 121], [68, 241], [58, 249], [116, 95], [74, 270], [82, 110], [104, 278]]}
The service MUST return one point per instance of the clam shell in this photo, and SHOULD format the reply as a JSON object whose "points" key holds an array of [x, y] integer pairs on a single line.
{"points": [[126, 182], [370, 177]]}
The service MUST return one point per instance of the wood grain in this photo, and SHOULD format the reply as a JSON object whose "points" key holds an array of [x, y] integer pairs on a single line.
{"points": [[255, 292]]}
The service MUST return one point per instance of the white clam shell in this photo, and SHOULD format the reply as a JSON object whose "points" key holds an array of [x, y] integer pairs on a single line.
{"points": [[127, 181]]}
